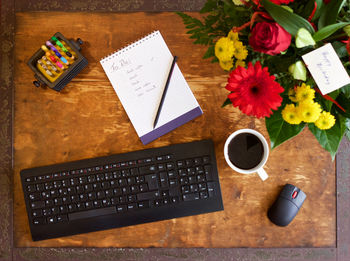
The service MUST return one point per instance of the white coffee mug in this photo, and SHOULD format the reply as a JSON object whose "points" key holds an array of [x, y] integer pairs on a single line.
{"points": [[258, 168]]}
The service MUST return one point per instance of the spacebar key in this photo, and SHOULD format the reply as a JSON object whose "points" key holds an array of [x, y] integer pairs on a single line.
{"points": [[92, 213]]}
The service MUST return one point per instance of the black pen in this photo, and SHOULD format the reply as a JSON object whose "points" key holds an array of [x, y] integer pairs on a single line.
{"points": [[164, 91]]}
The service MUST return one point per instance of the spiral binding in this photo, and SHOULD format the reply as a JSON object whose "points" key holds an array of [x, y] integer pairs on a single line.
{"points": [[128, 47]]}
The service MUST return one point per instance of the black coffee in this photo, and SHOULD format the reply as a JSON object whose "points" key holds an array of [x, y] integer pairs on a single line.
{"points": [[245, 151]]}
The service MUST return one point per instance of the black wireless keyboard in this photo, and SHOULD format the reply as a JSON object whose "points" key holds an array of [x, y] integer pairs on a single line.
{"points": [[122, 190]]}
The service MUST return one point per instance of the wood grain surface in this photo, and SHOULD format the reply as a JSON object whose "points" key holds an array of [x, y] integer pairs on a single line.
{"points": [[87, 120]]}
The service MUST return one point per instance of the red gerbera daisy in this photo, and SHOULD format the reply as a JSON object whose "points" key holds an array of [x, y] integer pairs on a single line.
{"points": [[254, 90]]}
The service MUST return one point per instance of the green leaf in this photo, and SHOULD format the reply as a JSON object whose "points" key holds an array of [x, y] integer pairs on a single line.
{"points": [[340, 49], [289, 21], [226, 102], [279, 130], [319, 9], [303, 38], [210, 52], [209, 6], [331, 138], [328, 30], [344, 102], [330, 12], [346, 90]]}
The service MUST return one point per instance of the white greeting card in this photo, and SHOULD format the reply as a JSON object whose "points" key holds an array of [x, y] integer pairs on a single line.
{"points": [[326, 69]]}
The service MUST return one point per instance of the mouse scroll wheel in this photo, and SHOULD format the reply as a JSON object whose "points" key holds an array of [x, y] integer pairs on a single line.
{"points": [[295, 193]]}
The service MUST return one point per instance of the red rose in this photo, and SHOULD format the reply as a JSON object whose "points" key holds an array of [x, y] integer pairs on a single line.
{"points": [[269, 38]]}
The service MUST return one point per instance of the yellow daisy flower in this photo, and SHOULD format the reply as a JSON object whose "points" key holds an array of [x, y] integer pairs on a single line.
{"points": [[224, 49], [291, 95], [240, 50], [308, 111], [325, 121], [304, 93], [289, 114], [233, 36], [226, 65], [240, 63]]}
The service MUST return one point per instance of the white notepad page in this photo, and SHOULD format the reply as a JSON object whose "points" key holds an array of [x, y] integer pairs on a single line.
{"points": [[138, 74]]}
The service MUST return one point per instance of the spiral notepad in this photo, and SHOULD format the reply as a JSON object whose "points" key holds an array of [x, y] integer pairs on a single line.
{"points": [[138, 74]]}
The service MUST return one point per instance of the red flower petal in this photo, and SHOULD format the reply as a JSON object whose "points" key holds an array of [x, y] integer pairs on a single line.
{"points": [[254, 90]]}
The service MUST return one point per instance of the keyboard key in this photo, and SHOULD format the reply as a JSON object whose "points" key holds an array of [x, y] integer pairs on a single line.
{"points": [[143, 204], [163, 179], [92, 213], [185, 189], [173, 183], [189, 162], [39, 187], [74, 198], [184, 181], [62, 218], [35, 196], [117, 192], [51, 220], [39, 221], [180, 164], [106, 202], [132, 206], [147, 195], [63, 209], [46, 212], [203, 194], [63, 191], [121, 208], [37, 204], [91, 178], [49, 202], [80, 206], [211, 189], [171, 174], [208, 174], [202, 186], [197, 161], [71, 191], [109, 193], [114, 201], [192, 179], [190, 197], [72, 207], [206, 159], [37, 213], [161, 167], [152, 181], [31, 188], [100, 194], [194, 188], [143, 187], [58, 201], [147, 169]]}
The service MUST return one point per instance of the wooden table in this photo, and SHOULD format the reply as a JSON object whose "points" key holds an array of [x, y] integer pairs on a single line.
{"points": [[87, 120], [323, 237]]}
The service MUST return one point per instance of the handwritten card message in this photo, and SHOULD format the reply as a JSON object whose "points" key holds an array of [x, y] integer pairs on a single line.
{"points": [[326, 69]]}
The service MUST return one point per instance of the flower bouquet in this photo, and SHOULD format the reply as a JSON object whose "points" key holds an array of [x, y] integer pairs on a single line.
{"points": [[261, 44]]}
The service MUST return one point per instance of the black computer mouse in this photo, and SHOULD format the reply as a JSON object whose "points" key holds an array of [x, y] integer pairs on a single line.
{"points": [[286, 206]]}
